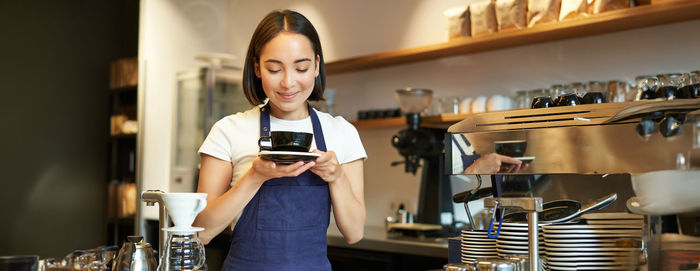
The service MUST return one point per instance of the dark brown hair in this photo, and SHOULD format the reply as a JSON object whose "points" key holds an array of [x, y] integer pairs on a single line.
{"points": [[270, 26]]}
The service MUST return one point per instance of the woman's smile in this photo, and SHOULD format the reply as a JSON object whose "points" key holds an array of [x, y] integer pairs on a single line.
{"points": [[288, 95]]}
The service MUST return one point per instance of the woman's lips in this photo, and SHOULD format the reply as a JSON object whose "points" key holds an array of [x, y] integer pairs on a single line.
{"points": [[288, 96]]}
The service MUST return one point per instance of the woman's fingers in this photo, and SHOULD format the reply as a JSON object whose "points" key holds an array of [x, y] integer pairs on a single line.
{"points": [[325, 156], [509, 160], [294, 169]]}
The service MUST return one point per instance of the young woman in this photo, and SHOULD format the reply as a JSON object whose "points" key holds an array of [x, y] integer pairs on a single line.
{"points": [[283, 211]]}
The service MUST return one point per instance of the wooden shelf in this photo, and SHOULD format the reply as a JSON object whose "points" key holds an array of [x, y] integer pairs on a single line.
{"points": [[439, 121], [607, 22]]}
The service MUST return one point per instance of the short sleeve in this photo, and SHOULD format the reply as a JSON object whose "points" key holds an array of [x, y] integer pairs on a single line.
{"points": [[354, 149], [217, 144]]}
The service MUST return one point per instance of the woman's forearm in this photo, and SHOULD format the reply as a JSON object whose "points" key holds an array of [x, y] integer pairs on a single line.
{"points": [[348, 203], [221, 211]]}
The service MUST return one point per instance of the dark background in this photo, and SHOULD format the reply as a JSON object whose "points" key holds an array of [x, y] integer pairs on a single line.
{"points": [[54, 82]]}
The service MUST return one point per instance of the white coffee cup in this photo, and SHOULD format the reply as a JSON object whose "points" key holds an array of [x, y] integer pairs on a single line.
{"points": [[479, 104], [184, 207]]}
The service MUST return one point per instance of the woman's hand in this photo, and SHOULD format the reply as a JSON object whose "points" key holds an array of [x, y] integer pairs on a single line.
{"points": [[327, 166], [495, 163], [264, 170]]}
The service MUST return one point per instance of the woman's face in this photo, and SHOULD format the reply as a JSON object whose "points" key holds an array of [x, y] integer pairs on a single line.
{"points": [[287, 68]]}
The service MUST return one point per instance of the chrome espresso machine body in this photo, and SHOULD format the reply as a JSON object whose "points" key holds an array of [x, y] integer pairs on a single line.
{"points": [[655, 143]]}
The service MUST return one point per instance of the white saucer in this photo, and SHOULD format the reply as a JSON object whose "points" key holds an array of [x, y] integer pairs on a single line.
{"points": [[525, 159], [183, 230]]}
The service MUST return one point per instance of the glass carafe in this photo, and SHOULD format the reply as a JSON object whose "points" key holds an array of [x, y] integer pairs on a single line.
{"points": [[184, 251]]}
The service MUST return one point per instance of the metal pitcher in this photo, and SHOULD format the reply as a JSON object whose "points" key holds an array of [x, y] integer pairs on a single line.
{"points": [[136, 256]]}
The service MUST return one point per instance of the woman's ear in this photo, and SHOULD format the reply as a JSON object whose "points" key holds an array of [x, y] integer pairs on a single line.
{"points": [[257, 69], [318, 61]]}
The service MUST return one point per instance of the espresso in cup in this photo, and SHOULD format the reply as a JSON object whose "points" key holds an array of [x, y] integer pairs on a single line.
{"points": [[512, 148], [287, 141]]}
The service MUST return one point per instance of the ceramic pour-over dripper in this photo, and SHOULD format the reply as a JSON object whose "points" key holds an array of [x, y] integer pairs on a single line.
{"points": [[184, 207]]}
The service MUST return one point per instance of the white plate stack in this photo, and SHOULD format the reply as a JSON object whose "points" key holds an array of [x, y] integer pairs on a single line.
{"points": [[475, 245], [613, 219], [513, 240], [591, 247]]}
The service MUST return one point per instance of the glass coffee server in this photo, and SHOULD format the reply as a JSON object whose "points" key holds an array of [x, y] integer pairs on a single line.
{"points": [[204, 95]]}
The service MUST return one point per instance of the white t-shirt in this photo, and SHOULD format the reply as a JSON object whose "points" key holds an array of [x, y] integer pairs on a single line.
{"points": [[235, 138]]}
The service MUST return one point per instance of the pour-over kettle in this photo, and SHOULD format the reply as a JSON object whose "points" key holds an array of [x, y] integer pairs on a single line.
{"points": [[136, 256]]}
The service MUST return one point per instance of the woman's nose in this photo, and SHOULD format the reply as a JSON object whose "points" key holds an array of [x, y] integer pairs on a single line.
{"points": [[288, 80]]}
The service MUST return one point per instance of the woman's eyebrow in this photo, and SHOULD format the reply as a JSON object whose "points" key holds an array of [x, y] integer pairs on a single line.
{"points": [[280, 62]]}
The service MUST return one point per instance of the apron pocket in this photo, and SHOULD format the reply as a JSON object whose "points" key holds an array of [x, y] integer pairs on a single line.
{"points": [[284, 208]]}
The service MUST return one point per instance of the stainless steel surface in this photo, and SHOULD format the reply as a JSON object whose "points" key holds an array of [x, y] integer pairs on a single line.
{"points": [[151, 197], [135, 256], [376, 239], [533, 242], [593, 139], [532, 206], [599, 149]]}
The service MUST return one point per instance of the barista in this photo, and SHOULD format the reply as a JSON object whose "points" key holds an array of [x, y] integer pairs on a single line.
{"points": [[284, 209], [491, 163]]}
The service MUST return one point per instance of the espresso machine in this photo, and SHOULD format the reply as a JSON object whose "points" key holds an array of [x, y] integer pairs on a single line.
{"points": [[654, 145], [423, 147]]}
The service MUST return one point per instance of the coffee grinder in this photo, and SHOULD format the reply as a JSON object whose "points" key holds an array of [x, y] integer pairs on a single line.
{"points": [[424, 144]]}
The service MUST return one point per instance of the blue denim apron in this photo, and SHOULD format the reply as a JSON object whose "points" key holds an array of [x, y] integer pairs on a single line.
{"points": [[284, 226]]}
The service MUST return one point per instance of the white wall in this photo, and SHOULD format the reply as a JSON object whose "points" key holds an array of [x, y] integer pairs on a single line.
{"points": [[171, 34], [354, 28]]}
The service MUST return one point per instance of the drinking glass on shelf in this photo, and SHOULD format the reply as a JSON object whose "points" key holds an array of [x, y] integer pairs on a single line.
{"points": [[435, 107], [617, 91], [668, 84], [450, 105], [646, 86], [465, 105], [556, 90], [522, 99], [575, 88], [596, 86], [691, 86]]}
